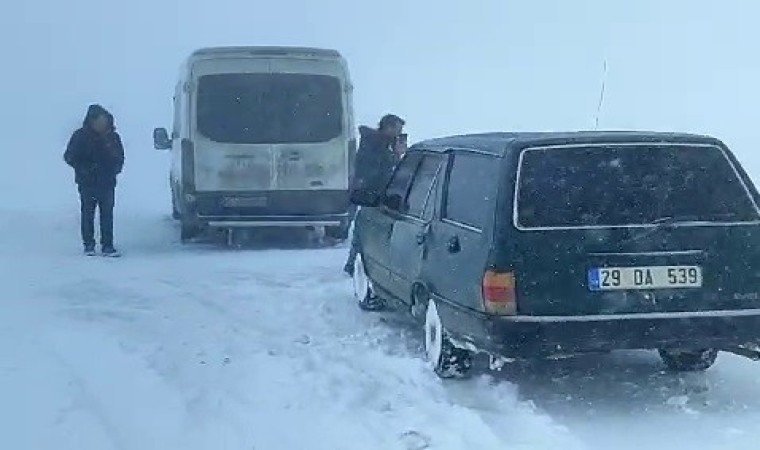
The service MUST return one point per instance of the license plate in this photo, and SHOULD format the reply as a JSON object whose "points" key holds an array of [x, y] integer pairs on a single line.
{"points": [[642, 278], [244, 202]]}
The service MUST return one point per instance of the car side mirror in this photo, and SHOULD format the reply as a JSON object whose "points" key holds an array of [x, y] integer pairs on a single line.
{"points": [[392, 201], [161, 140], [364, 198]]}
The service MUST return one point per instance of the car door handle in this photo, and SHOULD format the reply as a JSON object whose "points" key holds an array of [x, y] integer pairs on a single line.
{"points": [[454, 245], [422, 235]]}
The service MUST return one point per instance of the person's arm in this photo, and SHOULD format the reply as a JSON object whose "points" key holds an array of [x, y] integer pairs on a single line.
{"points": [[73, 152], [400, 146], [119, 157]]}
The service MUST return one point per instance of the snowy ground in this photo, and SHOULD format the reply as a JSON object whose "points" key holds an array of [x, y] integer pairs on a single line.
{"points": [[200, 347]]}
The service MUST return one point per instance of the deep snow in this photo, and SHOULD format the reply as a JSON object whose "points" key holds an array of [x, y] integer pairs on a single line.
{"points": [[201, 347]]}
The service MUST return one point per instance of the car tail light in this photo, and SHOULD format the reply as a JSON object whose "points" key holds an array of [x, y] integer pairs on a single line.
{"points": [[499, 296]]}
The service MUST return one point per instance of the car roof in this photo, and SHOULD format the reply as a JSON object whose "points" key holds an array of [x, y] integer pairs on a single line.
{"points": [[500, 143], [267, 51]]}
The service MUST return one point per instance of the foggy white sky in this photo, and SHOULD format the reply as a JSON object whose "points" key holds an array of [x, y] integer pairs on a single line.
{"points": [[447, 66]]}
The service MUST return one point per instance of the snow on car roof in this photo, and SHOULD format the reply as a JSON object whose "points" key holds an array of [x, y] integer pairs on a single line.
{"points": [[500, 142], [268, 50]]}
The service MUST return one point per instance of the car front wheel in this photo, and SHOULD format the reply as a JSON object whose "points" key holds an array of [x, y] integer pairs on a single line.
{"points": [[689, 360], [363, 290], [175, 212]]}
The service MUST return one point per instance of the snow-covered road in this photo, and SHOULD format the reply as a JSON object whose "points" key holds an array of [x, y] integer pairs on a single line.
{"points": [[201, 347]]}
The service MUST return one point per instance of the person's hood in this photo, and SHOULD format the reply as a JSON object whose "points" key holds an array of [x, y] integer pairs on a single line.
{"points": [[94, 111], [375, 136], [368, 131]]}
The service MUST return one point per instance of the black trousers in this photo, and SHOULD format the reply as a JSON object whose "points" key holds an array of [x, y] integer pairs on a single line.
{"points": [[102, 199]]}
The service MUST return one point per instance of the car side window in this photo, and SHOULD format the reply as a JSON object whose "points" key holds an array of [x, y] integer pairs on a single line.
{"points": [[398, 188], [471, 185], [422, 185], [430, 203]]}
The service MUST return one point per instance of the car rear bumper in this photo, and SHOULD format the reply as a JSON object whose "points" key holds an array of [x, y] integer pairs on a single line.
{"points": [[275, 221], [271, 209], [271, 204], [529, 336]]}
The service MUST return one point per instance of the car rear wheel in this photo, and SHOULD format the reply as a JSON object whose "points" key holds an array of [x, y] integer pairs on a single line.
{"points": [[447, 360], [175, 212], [688, 360], [188, 230], [363, 290], [339, 233]]}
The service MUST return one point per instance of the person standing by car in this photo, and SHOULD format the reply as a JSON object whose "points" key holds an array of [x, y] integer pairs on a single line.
{"points": [[96, 154], [379, 151]]}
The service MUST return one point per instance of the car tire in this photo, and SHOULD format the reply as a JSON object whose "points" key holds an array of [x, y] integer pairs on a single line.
{"points": [[688, 360], [419, 303], [176, 215], [175, 212], [364, 291], [188, 230], [446, 360], [339, 233]]}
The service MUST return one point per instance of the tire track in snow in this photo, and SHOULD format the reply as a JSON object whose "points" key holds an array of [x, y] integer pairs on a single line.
{"points": [[84, 398], [111, 383], [299, 351]]}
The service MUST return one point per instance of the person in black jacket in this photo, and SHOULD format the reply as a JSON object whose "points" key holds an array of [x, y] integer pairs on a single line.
{"points": [[96, 154], [379, 152]]}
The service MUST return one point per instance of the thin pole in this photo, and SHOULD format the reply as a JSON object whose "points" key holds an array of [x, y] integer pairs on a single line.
{"points": [[601, 96]]}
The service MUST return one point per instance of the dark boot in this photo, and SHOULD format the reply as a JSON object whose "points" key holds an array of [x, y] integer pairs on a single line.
{"points": [[349, 269], [110, 251]]}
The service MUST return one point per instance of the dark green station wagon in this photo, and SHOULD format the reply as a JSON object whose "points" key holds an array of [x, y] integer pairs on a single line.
{"points": [[536, 245]]}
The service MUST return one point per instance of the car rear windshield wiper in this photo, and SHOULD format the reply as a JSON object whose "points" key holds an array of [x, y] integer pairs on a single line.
{"points": [[671, 220], [663, 222], [666, 221]]}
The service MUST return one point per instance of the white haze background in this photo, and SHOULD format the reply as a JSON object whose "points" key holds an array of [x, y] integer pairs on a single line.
{"points": [[447, 66]]}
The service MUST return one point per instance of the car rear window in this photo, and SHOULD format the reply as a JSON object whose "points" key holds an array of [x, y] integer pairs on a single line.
{"points": [[264, 108], [629, 185]]}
